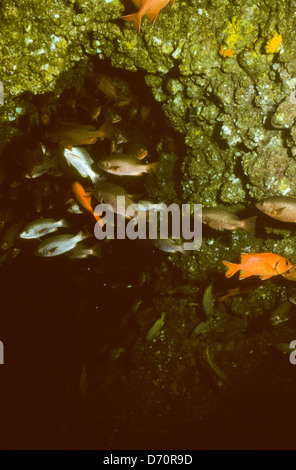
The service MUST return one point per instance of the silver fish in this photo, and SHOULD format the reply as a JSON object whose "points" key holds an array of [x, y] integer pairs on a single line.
{"points": [[125, 165], [82, 162], [40, 227], [80, 251], [60, 244]]}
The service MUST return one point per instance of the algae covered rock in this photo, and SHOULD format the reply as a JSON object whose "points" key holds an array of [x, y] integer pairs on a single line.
{"points": [[231, 61]]}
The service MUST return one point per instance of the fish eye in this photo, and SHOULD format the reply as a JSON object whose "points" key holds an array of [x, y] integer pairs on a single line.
{"points": [[287, 263]]}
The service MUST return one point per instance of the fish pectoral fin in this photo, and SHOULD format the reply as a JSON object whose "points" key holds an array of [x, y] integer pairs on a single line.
{"points": [[268, 268], [213, 226], [152, 17], [279, 210], [172, 3]]}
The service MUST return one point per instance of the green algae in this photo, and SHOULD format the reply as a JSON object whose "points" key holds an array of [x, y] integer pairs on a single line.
{"points": [[234, 151]]}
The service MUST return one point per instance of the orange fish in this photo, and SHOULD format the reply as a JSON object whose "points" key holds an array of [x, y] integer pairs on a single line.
{"points": [[84, 200], [236, 291], [264, 265], [70, 135], [149, 8]]}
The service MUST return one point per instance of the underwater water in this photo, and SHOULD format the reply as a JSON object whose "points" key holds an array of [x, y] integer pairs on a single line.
{"points": [[133, 344]]}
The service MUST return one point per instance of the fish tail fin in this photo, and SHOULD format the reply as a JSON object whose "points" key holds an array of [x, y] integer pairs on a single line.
{"points": [[96, 181], [182, 250], [135, 18], [107, 130], [64, 223], [98, 219], [151, 167], [97, 250], [249, 224], [232, 268], [224, 298], [152, 17], [84, 233]]}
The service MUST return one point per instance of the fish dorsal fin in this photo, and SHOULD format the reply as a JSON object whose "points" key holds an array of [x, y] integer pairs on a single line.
{"points": [[245, 257]]}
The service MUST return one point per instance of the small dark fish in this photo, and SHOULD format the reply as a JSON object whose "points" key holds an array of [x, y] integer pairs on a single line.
{"points": [[5, 217], [192, 112], [156, 328], [201, 328], [91, 107], [220, 374], [279, 207], [183, 289], [281, 313], [208, 301], [9, 237], [170, 246], [284, 348], [106, 86], [9, 255]]}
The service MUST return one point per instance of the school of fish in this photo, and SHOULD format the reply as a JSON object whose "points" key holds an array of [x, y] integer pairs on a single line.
{"points": [[95, 155]]}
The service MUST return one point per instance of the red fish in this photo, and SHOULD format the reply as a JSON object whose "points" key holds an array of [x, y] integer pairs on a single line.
{"points": [[84, 200], [149, 8], [264, 265]]}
